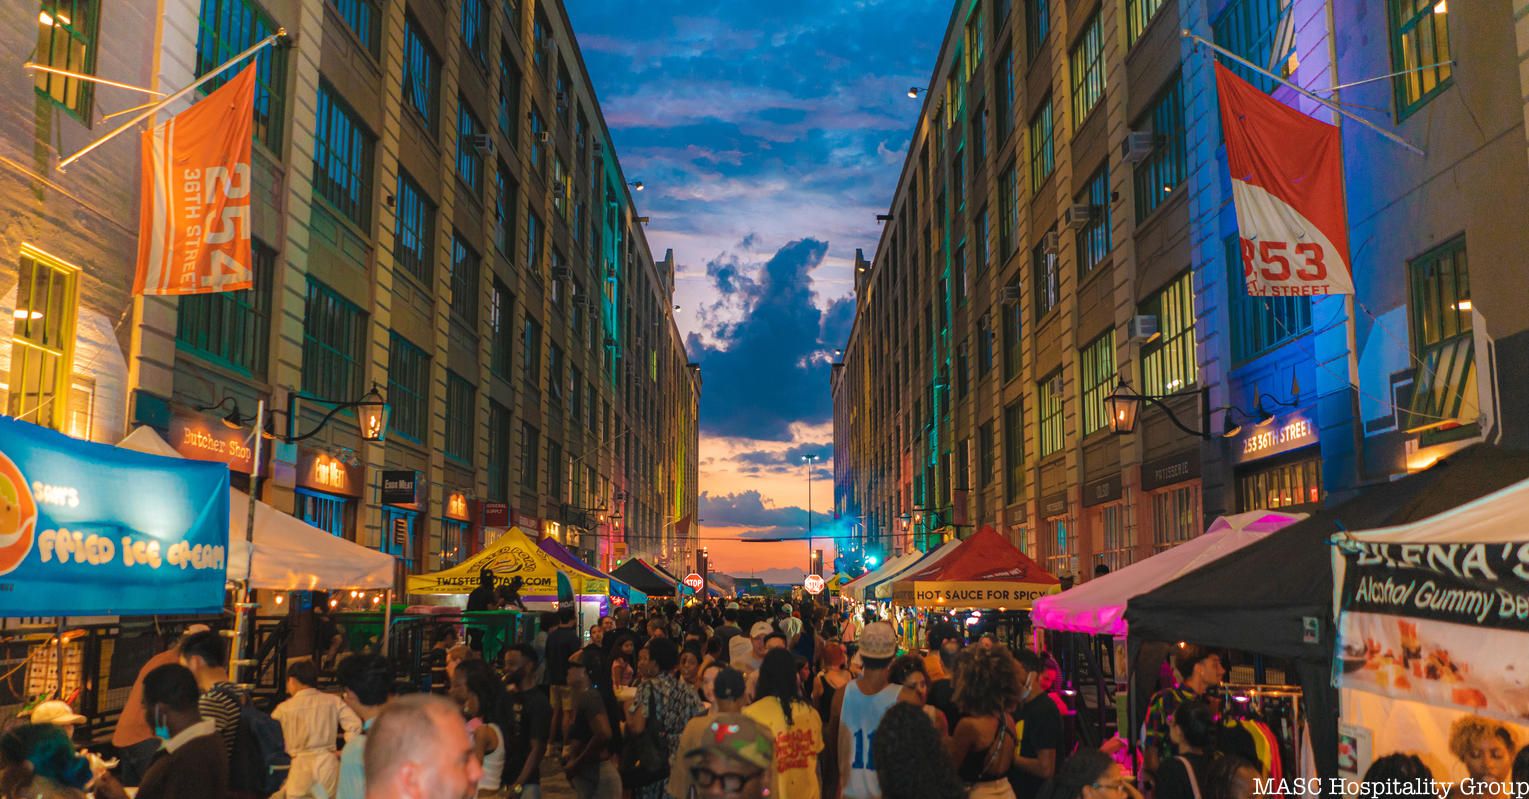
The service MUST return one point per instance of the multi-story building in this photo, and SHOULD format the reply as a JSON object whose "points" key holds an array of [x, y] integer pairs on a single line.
{"points": [[1063, 226], [439, 216]]}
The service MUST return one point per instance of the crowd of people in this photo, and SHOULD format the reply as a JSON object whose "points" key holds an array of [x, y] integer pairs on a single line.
{"points": [[712, 700]]}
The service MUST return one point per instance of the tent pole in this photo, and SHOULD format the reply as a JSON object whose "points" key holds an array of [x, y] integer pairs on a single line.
{"points": [[387, 621], [244, 603]]}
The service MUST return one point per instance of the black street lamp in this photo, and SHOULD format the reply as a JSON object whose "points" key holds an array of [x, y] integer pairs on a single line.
{"points": [[1124, 407]]}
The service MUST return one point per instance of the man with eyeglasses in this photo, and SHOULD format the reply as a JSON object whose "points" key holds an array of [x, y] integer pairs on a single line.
{"points": [[733, 760]]}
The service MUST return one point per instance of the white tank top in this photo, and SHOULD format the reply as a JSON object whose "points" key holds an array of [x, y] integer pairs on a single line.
{"points": [[861, 715], [493, 763]]}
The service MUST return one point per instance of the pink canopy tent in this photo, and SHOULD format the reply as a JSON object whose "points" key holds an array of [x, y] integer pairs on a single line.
{"points": [[1098, 606]]}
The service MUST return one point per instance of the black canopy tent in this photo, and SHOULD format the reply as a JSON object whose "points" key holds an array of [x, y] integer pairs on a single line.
{"points": [[1233, 603], [644, 578]]}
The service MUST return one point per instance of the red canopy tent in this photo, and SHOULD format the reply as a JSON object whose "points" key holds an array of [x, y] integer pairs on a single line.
{"points": [[986, 571]]}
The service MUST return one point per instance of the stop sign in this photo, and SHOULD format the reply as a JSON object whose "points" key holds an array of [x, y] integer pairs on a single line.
{"points": [[694, 582], [813, 584]]}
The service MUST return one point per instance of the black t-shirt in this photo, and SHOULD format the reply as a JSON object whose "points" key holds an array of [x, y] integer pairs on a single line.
{"points": [[942, 696], [1172, 779], [586, 706], [480, 598], [725, 634], [1040, 728], [561, 644], [530, 720]]}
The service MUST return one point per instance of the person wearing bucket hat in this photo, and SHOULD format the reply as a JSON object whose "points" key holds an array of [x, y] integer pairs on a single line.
{"points": [[733, 759], [726, 691]]}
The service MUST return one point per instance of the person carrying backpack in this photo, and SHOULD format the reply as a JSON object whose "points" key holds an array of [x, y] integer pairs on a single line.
{"points": [[252, 740]]}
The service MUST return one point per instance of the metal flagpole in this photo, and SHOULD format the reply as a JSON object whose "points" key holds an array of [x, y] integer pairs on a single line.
{"points": [[1304, 92], [90, 78], [280, 33]]}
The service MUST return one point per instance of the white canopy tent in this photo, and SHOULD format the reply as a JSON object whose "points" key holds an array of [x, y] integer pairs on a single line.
{"points": [[289, 555], [855, 589], [883, 587], [1098, 606]]}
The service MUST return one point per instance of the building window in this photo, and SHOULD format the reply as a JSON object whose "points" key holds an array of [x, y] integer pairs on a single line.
{"points": [[531, 353], [1168, 360], [562, 187], [982, 251], [421, 75], [1048, 279], [541, 43], [963, 365], [1282, 486], [984, 347], [576, 387], [464, 283], [986, 462], [475, 30], [1262, 31], [1260, 324], [506, 205], [1042, 150], [408, 388], [324, 511], [334, 338], [1087, 65], [509, 96], [461, 415], [362, 18], [1119, 550], [958, 269], [232, 328], [66, 39], [974, 31], [958, 178], [453, 542], [226, 28], [1097, 362], [471, 137], [414, 234], [1059, 546], [1013, 452], [342, 158], [1139, 14], [979, 137], [1052, 434], [500, 324], [1004, 96], [534, 233], [530, 444], [556, 368], [1008, 210], [557, 472], [498, 452], [1037, 25], [1093, 239], [538, 146], [1444, 384], [1166, 167], [398, 533], [1011, 314], [1419, 38], [42, 344], [1175, 516]]}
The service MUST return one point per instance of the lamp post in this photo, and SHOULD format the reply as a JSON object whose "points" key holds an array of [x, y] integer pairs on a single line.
{"points": [[808, 460]]}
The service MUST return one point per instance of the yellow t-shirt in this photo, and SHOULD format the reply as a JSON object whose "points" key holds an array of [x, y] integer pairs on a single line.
{"points": [[797, 746]]}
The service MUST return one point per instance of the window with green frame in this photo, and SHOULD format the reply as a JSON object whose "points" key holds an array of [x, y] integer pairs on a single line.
{"points": [[1013, 452], [1087, 66], [461, 417], [42, 341], [530, 450], [501, 318], [1011, 314], [363, 20], [538, 147], [1262, 31], [469, 154], [334, 340], [342, 157], [498, 452], [414, 233], [534, 232], [408, 388], [465, 282], [232, 328], [1051, 434], [1260, 324], [421, 75], [1167, 166], [974, 40], [1096, 363], [1094, 238], [66, 39], [475, 30], [1042, 146], [1037, 25], [1444, 384], [226, 28], [509, 96], [1168, 360], [1139, 14], [1004, 97], [1008, 211], [1420, 50]]}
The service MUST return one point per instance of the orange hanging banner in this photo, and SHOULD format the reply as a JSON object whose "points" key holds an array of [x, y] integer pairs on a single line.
{"points": [[194, 229]]}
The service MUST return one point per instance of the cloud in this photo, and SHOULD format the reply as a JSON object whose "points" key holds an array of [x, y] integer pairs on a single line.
{"points": [[749, 509], [789, 459]]}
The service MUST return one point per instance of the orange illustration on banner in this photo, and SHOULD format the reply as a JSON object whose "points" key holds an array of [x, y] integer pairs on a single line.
{"points": [[1287, 187], [194, 233]]}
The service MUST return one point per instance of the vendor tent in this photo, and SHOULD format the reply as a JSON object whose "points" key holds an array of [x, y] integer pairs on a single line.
{"points": [[513, 554], [882, 588], [643, 577], [984, 571], [1275, 596], [1098, 606], [595, 581], [289, 554], [855, 589]]}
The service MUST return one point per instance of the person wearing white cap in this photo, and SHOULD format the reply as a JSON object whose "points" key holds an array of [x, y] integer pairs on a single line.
{"points": [[59, 714], [858, 709], [748, 654], [133, 738]]}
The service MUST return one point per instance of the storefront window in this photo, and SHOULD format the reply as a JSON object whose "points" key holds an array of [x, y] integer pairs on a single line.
{"points": [[1059, 545], [324, 511], [1282, 486], [1118, 551], [1175, 516], [398, 533], [453, 542]]}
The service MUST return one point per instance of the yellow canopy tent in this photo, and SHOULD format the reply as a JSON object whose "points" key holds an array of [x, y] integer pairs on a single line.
{"points": [[513, 554]]}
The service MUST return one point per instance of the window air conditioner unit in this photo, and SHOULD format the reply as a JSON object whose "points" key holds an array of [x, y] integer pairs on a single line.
{"points": [[1078, 216], [1142, 328], [1010, 294], [1054, 387], [562, 273], [544, 137], [1138, 145], [482, 142], [1051, 242]]}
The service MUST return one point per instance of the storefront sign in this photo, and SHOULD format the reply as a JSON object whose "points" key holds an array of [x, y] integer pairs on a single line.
{"points": [[202, 439], [1054, 505], [1102, 491], [1173, 469], [496, 514], [456, 506], [1282, 435], [530, 524], [88, 529], [325, 472], [400, 487]]}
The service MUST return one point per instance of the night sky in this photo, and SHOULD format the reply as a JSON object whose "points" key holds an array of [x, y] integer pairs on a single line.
{"points": [[768, 136]]}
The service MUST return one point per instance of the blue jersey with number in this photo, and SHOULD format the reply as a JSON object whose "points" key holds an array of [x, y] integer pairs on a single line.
{"points": [[860, 717]]}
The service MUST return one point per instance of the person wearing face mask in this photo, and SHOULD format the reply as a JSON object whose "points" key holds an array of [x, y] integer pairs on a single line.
{"points": [[724, 689], [192, 763], [1039, 727], [419, 749], [1485, 747]]}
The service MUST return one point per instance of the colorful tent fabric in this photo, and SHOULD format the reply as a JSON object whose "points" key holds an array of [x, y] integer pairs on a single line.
{"points": [[639, 574], [595, 581], [1098, 606], [513, 554], [855, 589], [984, 571], [882, 588]]}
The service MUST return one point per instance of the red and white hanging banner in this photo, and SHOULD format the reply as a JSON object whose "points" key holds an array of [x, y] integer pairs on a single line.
{"points": [[194, 226], [1287, 186]]}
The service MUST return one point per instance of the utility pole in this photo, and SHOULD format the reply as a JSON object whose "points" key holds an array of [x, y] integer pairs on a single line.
{"points": [[808, 460]]}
